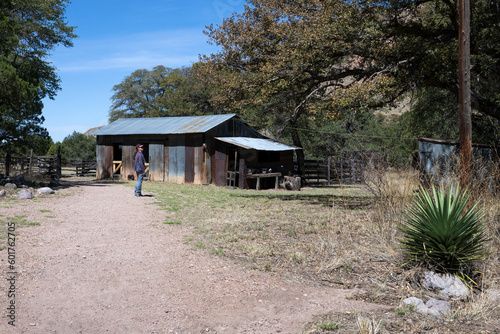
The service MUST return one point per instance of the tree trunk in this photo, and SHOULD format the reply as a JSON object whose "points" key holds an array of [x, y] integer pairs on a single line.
{"points": [[300, 153]]}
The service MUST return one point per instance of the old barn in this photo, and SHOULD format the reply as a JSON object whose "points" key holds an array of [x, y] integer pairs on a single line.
{"points": [[214, 149]]}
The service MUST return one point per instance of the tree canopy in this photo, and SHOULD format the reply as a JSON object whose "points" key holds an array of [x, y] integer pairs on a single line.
{"points": [[29, 30], [324, 59], [160, 92]]}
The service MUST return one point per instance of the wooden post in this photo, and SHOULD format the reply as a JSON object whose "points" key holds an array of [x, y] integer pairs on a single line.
{"points": [[464, 95], [31, 162], [59, 165], [329, 170], [342, 167], [7, 162]]}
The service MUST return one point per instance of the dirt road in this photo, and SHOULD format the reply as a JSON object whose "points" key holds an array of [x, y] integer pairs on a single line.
{"points": [[102, 261]]}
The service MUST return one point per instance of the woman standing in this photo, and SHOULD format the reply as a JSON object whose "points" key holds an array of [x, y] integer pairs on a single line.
{"points": [[140, 168]]}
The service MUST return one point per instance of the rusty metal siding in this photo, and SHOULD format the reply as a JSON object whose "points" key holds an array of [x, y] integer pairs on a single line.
{"points": [[220, 168], [156, 162], [177, 159], [189, 161], [166, 162], [199, 169], [104, 162]]}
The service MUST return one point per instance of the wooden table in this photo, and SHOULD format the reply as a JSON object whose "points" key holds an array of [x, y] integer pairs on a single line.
{"points": [[261, 175]]}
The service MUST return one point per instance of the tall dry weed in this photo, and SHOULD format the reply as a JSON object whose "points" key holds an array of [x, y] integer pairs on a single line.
{"points": [[392, 190]]}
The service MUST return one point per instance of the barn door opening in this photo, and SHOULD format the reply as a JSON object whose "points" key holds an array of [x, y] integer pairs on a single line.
{"points": [[232, 168], [117, 160]]}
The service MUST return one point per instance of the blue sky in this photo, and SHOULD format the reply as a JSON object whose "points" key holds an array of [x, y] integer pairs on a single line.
{"points": [[117, 38]]}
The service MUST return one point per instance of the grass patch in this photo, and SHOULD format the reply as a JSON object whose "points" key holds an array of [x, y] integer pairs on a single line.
{"points": [[340, 236], [172, 223], [327, 326], [15, 222]]}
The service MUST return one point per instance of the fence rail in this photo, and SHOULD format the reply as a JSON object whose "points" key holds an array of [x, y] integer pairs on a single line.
{"points": [[349, 168], [48, 166]]}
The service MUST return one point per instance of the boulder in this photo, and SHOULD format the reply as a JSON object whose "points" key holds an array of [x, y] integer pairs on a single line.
{"points": [[25, 194], [54, 184], [2, 193], [10, 186], [433, 307], [45, 191], [449, 286]]}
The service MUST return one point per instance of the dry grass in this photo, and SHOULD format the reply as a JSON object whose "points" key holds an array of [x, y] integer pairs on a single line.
{"points": [[342, 237]]}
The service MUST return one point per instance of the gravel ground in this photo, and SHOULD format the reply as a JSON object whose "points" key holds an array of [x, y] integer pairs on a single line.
{"points": [[102, 261]]}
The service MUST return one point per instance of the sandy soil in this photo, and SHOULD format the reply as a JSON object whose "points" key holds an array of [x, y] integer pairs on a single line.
{"points": [[102, 261]]}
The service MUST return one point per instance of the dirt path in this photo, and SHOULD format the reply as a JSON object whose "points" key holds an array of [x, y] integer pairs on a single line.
{"points": [[103, 262]]}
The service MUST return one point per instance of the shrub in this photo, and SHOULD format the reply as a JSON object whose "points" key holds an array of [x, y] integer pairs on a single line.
{"points": [[441, 232]]}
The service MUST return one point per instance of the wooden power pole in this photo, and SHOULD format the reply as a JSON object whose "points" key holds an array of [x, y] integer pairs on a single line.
{"points": [[464, 95]]}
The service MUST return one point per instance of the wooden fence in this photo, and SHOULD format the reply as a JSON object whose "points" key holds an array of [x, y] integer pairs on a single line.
{"points": [[85, 167], [48, 166], [348, 168]]}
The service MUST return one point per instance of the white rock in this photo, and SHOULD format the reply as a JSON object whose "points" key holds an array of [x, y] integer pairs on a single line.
{"points": [[437, 308], [433, 307], [25, 194], [45, 190], [449, 286]]}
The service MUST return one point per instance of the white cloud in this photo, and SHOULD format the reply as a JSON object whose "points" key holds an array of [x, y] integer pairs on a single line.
{"points": [[173, 48]]}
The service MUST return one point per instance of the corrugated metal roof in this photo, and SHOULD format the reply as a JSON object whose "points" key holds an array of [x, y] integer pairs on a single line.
{"points": [[447, 142], [258, 144], [162, 125]]}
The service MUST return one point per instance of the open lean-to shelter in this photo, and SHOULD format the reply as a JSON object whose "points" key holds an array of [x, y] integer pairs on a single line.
{"points": [[214, 149]]}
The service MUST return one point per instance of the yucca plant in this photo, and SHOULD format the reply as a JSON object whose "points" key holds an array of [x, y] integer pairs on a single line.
{"points": [[440, 231]]}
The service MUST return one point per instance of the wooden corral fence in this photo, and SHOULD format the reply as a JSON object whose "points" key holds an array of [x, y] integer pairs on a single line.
{"points": [[85, 167], [349, 167], [48, 166]]}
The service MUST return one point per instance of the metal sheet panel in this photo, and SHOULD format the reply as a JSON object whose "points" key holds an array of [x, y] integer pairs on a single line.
{"points": [[258, 144], [156, 162], [163, 125], [177, 159]]}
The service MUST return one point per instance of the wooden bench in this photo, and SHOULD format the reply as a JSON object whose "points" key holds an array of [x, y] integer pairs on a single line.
{"points": [[264, 175]]}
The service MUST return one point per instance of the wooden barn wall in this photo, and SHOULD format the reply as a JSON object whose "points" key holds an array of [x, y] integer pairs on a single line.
{"points": [[220, 168], [104, 164], [128, 163]]}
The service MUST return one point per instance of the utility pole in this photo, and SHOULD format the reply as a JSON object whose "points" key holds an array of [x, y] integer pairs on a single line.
{"points": [[464, 95]]}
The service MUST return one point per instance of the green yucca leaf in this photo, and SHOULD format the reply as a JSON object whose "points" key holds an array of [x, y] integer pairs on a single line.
{"points": [[439, 230]]}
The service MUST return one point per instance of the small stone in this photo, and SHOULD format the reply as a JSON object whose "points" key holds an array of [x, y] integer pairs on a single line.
{"points": [[25, 194], [45, 190], [2, 193]]}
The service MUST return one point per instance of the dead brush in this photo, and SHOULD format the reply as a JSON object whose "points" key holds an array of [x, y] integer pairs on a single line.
{"points": [[368, 326], [393, 190]]}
